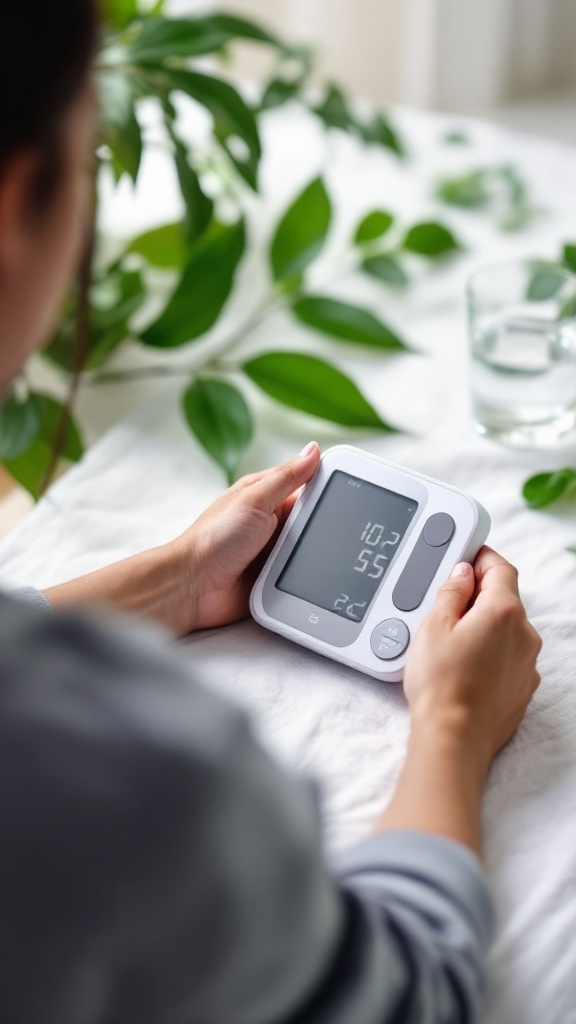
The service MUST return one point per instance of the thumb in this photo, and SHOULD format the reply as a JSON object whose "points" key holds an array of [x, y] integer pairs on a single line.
{"points": [[272, 488], [454, 595]]}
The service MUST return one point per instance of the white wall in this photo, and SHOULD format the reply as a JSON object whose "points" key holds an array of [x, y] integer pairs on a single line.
{"points": [[461, 55], [357, 40], [563, 42]]}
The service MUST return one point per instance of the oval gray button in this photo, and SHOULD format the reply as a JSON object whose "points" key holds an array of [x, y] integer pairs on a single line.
{"points": [[390, 639], [438, 530]]}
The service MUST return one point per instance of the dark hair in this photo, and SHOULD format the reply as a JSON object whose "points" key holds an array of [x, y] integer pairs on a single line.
{"points": [[46, 49]]}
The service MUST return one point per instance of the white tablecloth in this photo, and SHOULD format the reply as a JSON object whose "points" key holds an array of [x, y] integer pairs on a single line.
{"points": [[147, 479]]}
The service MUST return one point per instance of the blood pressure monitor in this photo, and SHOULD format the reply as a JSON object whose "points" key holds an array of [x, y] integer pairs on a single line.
{"points": [[361, 557]]}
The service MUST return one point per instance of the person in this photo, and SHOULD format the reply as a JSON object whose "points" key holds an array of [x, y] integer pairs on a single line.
{"points": [[156, 866]]}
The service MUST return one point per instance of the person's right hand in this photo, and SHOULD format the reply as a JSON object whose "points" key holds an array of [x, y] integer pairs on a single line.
{"points": [[473, 668]]}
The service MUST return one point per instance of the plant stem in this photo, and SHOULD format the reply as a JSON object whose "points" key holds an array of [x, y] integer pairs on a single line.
{"points": [[273, 304], [270, 306], [140, 373]]}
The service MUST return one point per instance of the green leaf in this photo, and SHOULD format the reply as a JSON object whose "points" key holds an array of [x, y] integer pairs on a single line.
{"points": [[199, 206], [243, 28], [381, 132], [569, 256], [114, 299], [203, 290], [469, 190], [30, 467], [544, 285], [246, 164], [222, 100], [19, 425], [278, 91], [301, 234], [374, 225], [430, 239], [119, 13], [110, 324], [314, 386], [546, 488], [161, 247], [346, 323], [51, 415], [501, 188], [518, 218], [334, 110], [515, 184], [162, 39], [385, 268], [218, 415], [233, 121], [120, 127], [336, 113], [456, 137], [117, 302]]}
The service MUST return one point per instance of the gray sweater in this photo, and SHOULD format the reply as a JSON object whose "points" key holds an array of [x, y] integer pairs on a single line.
{"points": [[156, 867]]}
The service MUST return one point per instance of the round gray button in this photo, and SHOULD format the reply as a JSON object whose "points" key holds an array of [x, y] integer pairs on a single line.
{"points": [[390, 639], [438, 530]]}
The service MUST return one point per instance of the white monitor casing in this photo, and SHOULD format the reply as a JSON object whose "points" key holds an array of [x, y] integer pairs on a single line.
{"points": [[349, 642]]}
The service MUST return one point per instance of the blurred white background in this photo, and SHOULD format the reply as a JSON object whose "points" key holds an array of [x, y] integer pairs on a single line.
{"points": [[512, 60]]}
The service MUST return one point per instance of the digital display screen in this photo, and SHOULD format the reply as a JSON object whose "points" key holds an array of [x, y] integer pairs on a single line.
{"points": [[347, 546]]}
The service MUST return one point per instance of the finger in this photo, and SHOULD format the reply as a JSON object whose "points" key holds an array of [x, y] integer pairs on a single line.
{"points": [[454, 595], [276, 485], [536, 638], [284, 510], [494, 573]]}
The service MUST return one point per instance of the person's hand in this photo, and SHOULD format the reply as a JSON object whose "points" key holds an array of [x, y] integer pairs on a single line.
{"points": [[469, 678], [473, 664], [225, 549], [203, 578]]}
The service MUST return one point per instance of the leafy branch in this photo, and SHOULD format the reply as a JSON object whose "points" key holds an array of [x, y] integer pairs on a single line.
{"points": [[499, 190], [544, 489], [146, 55]]}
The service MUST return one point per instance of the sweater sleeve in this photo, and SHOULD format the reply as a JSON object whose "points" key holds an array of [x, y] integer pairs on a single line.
{"points": [[35, 598], [156, 867]]}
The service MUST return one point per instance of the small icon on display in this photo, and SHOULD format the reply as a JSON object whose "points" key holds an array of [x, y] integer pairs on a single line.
{"points": [[313, 619]]}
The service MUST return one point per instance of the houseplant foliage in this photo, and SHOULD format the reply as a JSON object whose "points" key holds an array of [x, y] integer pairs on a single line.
{"points": [[148, 56], [497, 191], [547, 488]]}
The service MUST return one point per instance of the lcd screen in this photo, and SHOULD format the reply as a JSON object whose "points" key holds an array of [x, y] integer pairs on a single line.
{"points": [[347, 546]]}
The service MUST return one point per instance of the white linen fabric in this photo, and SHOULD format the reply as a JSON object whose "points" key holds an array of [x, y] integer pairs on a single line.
{"points": [[146, 480]]}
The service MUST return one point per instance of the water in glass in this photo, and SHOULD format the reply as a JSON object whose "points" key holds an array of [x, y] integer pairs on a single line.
{"points": [[524, 377]]}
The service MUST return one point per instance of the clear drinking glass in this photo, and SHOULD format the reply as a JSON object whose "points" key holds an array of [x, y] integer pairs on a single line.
{"points": [[522, 317]]}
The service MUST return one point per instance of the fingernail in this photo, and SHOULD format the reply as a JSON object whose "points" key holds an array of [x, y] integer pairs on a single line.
{"points": [[307, 450], [462, 569]]}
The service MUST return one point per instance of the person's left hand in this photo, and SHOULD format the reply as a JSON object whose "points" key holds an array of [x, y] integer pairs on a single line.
{"points": [[204, 577], [226, 547]]}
